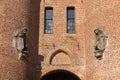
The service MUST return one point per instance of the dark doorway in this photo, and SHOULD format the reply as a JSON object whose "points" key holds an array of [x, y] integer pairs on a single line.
{"points": [[60, 75]]}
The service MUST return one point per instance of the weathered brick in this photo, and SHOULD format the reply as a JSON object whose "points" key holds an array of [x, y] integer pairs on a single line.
{"points": [[48, 51]]}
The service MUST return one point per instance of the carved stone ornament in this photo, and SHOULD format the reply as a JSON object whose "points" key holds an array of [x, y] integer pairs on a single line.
{"points": [[101, 41], [19, 42]]}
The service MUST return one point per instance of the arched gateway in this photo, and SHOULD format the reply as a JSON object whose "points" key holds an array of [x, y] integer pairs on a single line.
{"points": [[60, 75]]}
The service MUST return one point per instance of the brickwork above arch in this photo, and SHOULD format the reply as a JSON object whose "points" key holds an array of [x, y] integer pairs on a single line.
{"points": [[60, 58]]}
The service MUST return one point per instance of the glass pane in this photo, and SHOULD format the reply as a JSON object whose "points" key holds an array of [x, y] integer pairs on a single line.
{"points": [[71, 26], [70, 13], [48, 31], [48, 26], [48, 14], [70, 20], [71, 23], [48, 20]]}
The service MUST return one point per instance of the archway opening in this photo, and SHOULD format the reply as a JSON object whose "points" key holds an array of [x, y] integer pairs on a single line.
{"points": [[60, 75]]}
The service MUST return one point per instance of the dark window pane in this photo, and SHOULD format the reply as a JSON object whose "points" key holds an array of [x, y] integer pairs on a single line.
{"points": [[70, 13], [48, 20], [48, 14], [71, 23], [71, 26], [70, 20], [48, 24]]}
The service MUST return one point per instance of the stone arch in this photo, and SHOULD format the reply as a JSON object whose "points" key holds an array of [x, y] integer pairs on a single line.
{"points": [[60, 74], [60, 57]]}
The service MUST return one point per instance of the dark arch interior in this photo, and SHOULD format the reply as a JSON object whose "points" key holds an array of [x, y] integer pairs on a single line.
{"points": [[60, 75]]}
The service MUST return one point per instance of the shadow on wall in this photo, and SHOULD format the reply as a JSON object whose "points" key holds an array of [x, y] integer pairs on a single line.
{"points": [[34, 60]]}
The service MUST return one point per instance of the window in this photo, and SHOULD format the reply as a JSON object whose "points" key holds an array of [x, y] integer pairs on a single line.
{"points": [[70, 20], [48, 20]]}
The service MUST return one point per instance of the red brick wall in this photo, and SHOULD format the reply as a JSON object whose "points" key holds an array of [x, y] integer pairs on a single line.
{"points": [[104, 14], [90, 15], [51, 45], [15, 14]]}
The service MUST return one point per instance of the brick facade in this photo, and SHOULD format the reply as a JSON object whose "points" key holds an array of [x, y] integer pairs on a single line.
{"points": [[15, 14], [60, 50]]}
